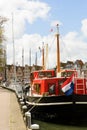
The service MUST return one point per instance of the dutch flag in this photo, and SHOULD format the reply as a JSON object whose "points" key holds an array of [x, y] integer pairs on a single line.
{"points": [[68, 86]]}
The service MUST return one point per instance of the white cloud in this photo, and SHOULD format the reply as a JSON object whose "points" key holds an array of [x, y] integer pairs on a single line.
{"points": [[72, 45], [84, 27], [22, 10]]}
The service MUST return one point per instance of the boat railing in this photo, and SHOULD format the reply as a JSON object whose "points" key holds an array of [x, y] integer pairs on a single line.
{"points": [[81, 83], [83, 76]]}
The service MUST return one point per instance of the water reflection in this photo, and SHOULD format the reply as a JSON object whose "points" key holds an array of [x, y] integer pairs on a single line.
{"points": [[75, 125]]}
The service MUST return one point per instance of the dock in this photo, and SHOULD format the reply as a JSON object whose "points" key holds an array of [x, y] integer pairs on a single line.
{"points": [[10, 114]]}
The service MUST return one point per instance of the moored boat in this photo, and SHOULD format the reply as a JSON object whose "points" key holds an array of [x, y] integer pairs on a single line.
{"points": [[57, 96]]}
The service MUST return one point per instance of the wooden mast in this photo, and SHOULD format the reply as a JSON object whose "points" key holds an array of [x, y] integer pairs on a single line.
{"points": [[42, 54], [58, 50], [46, 57], [42, 51]]}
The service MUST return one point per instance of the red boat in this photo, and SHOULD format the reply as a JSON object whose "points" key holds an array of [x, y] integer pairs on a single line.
{"points": [[62, 97]]}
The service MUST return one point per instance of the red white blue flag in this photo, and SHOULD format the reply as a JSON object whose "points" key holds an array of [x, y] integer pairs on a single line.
{"points": [[68, 86]]}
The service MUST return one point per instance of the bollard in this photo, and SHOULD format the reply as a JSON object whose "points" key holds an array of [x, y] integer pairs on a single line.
{"points": [[22, 103], [28, 119], [20, 99], [24, 109], [35, 127]]}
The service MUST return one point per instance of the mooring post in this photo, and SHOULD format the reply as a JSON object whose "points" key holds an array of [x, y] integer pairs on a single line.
{"points": [[28, 119], [24, 109]]}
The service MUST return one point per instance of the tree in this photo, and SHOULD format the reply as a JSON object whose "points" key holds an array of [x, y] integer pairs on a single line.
{"points": [[2, 47]]}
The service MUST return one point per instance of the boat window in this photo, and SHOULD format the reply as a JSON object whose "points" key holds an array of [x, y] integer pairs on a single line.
{"points": [[45, 74], [66, 74], [37, 88], [51, 89]]}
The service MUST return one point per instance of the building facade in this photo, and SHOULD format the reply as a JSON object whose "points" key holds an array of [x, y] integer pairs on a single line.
{"points": [[22, 73]]}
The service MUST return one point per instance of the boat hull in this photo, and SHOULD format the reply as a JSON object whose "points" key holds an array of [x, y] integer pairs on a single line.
{"points": [[58, 107]]}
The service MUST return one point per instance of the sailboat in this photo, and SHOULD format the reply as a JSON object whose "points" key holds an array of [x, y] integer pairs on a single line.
{"points": [[61, 96], [13, 83]]}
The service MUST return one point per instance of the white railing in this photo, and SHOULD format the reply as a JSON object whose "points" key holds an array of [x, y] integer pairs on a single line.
{"points": [[83, 77]]}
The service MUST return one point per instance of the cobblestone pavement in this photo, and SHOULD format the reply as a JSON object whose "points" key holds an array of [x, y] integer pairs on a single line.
{"points": [[10, 114]]}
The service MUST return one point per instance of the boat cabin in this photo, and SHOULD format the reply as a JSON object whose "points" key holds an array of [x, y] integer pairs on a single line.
{"points": [[42, 74], [46, 86], [46, 83]]}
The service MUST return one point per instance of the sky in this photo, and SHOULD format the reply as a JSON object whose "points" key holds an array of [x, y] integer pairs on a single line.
{"points": [[33, 22]]}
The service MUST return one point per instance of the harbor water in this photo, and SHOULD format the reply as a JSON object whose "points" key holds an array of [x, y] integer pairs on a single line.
{"points": [[53, 126]]}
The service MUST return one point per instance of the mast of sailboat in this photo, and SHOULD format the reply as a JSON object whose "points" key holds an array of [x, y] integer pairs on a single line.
{"points": [[46, 57], [30, 57], [36, 58], [22, 57], [58, 50], [13, 49], [43, 56]]}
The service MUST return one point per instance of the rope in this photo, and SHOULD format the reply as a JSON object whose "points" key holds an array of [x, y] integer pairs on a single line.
{"points": [[35, 103]]}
